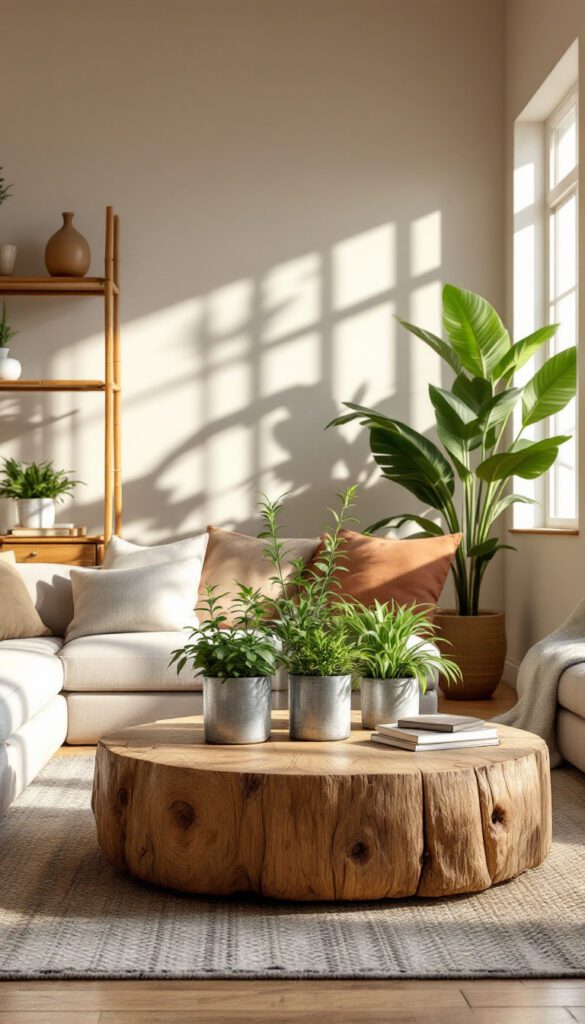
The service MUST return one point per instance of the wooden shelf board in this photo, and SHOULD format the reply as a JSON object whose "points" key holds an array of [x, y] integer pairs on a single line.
{"points": [[54, 286], [10, 538], [55, 385]]}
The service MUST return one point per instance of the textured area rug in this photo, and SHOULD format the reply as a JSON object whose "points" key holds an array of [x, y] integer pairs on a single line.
{"points": [[66, 913]]}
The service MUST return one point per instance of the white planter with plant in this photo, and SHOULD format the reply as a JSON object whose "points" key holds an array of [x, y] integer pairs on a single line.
{"points": [[237, 665], [315, 647], [36, 487], [467, 484], [395, 657], [7, 249], [10, 369]]}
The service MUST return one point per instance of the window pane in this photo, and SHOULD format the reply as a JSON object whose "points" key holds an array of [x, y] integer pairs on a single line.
{"points": [[565, 141], [564, 313], [565, 246]]}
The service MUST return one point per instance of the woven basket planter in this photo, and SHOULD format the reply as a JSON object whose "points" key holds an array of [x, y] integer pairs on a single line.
{"points": [[477, 643]]}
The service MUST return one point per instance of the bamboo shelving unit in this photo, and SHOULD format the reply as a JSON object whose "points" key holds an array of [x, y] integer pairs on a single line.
{"points": [[107, 288]]}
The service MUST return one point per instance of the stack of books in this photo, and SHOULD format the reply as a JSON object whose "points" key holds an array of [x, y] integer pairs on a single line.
{"points": [[58, 530], [437, 732]]}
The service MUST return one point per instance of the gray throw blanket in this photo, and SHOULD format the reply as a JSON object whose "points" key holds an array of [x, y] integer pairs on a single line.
{"points": [[538, 680]]}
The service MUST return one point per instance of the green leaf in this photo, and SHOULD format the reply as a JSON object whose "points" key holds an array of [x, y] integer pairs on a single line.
{"points": [[427, 525], [523, 350], [498, 408], [475, 392], [485, 551], [508, 500], [551, 388], [529, 461], [475, 329], [437, 344]]}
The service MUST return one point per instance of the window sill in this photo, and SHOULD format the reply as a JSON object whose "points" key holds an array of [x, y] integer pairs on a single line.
{"points": [[548, 531]]}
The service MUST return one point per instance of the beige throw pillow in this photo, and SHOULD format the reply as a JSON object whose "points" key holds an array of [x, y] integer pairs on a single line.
{"points": [[234, 558], [122, 554], [151, 599], [19, 618], [8, 556]]}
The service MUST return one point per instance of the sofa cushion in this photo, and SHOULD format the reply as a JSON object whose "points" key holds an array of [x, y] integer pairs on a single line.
{"points": [[125, 662], [571, 694], [144, 600], [28, 749], [234, 558], [387, 569], [49, 586], [30, 676], [123, 554], [18, 615]]}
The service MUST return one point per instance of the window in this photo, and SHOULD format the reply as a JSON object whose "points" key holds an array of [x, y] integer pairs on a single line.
{"points": [[560, 498]]}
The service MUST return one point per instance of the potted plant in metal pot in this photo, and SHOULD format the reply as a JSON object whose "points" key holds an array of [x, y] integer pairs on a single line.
{"points": [[315, 647], [237, 664], [7, 250], [36, 487], [467, 483], [395, 657]]}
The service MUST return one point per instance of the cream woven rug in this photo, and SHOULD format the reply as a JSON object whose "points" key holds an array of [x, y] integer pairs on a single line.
{"points": [[66, 913]]}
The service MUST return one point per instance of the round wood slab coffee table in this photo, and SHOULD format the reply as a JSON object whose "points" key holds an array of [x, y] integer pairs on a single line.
{"points": [[319, 821]]}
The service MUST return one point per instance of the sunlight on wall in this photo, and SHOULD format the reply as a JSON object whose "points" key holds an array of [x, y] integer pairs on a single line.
{"points": [[524, 187], [425, 244], [364, 266], [425, 365]]}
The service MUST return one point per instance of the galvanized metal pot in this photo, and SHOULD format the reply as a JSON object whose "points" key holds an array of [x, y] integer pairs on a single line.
{"points": [[237, 710], [319, 707], [387, 700]]}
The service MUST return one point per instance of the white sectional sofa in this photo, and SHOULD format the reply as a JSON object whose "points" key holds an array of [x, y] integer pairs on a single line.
{"points": [[571, 715], [53, 692]]}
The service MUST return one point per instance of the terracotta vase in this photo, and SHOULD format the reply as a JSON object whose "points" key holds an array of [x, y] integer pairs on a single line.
{"points": [[67, 253], [478, 644]]}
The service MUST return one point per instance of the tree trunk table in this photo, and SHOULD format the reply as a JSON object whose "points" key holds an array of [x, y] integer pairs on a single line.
{"points": [[319, 821]]}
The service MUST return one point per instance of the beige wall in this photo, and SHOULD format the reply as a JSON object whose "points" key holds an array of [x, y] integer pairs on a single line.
{"points": [[289, 173], [545, 579]]}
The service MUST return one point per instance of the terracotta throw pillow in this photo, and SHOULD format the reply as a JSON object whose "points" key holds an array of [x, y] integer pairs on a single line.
{"points": [[19, 618], [234, 558], [387, 569]]}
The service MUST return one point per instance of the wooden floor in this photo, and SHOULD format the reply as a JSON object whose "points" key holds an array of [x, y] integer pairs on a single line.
{"points": [[312, 1002]]}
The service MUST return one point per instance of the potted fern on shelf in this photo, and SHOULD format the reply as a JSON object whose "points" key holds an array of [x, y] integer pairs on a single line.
{"points": [[237, 664], [466, 484], [395, 657], [316, 649], [36, 487]]}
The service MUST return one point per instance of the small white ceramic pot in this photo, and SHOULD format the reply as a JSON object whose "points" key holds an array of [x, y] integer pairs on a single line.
{"points": [[36, 512], [387, 700], [10, 369], [7, 260]]}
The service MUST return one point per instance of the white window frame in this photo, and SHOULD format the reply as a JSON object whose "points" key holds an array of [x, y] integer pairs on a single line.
{"points": [[556, 196]]}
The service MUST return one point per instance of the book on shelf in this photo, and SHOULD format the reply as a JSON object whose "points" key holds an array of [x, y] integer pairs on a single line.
{"points": [[425, 737], [59, 530], [441, 722], [398, 743]]}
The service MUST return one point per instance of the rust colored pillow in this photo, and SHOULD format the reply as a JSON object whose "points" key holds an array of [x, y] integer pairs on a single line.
{"points": [[399, 570], [233, 558]]}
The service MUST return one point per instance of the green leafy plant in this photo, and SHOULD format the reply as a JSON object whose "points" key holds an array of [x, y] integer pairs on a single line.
{"points": [[313, 641], [392, 642], [22, 480], [6, 332], [4, 188], [472, 419], [242, 651]]}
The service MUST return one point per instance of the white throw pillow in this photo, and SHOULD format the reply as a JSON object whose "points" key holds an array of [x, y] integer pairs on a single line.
{"points": [[122, 554], [151, 599]]}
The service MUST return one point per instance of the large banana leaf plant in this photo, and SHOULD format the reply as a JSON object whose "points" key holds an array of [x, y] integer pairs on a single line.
{"points": [[473, 419]]}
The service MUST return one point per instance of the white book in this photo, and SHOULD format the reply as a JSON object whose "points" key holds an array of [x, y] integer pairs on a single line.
{"points": [[398, 744], [441, 722], [423, 737]]}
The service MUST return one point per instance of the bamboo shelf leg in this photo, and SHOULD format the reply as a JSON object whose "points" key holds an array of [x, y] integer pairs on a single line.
{"points": [[118, 381], [109, 377]]}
